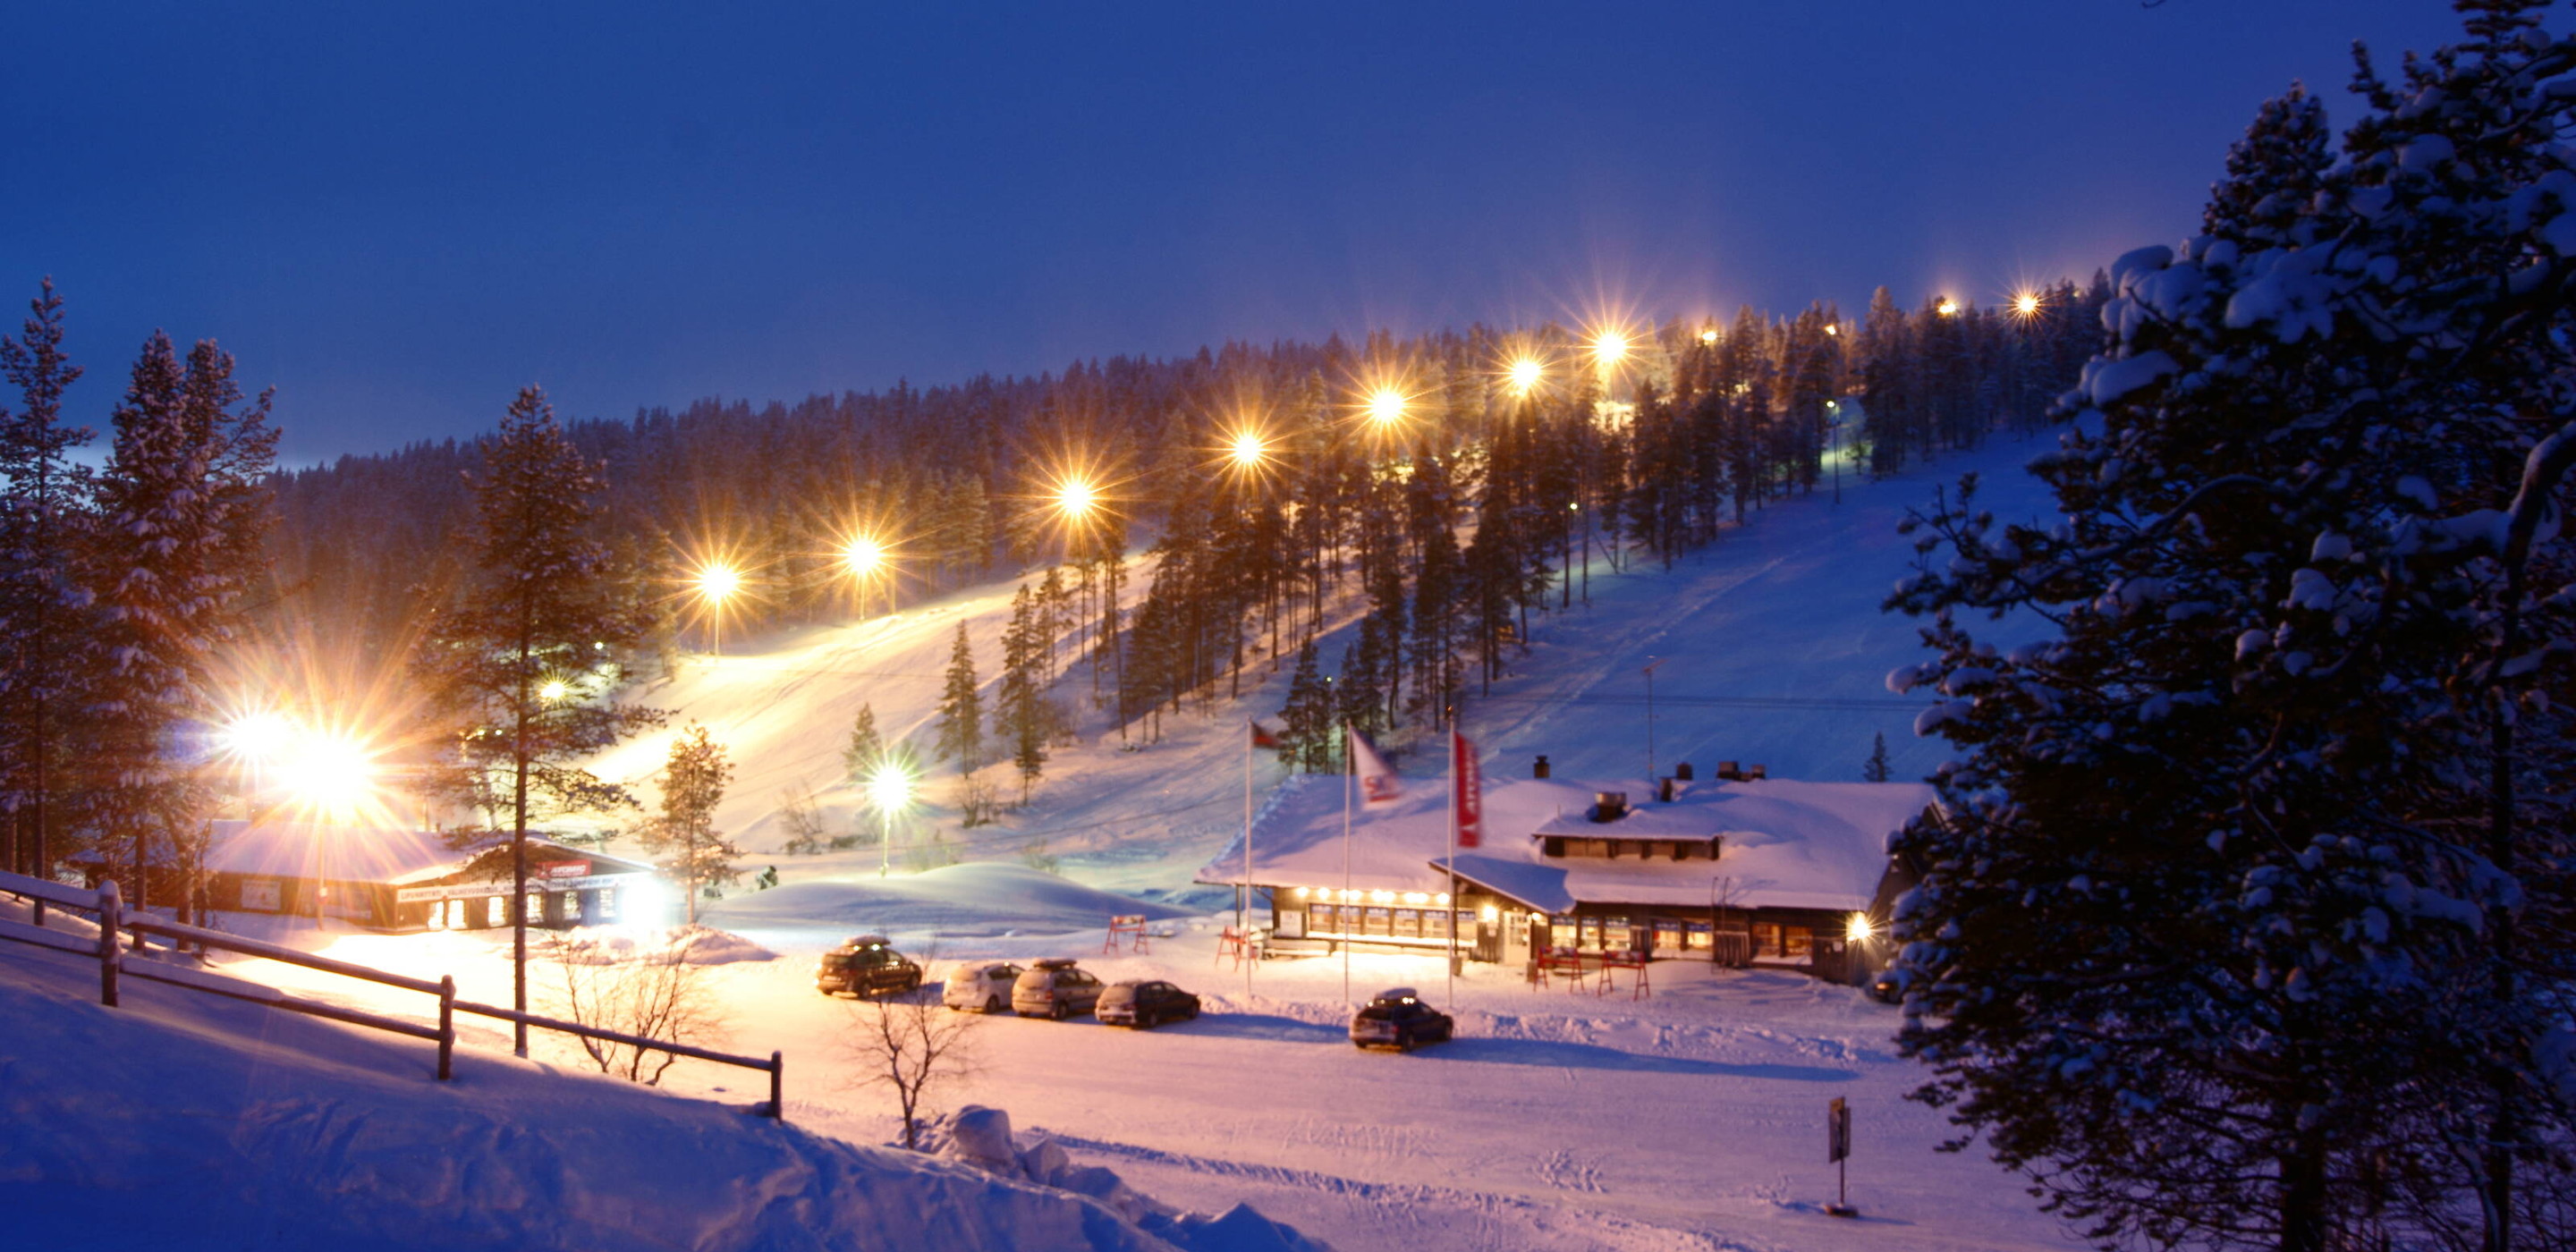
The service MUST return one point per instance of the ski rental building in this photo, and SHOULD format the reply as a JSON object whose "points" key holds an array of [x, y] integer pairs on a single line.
{"points": [[1741, 870]]}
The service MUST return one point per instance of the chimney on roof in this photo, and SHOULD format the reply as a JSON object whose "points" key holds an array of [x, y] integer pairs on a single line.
{"points": [[1539, 770], [1609, 806], [1683, 772], [1664, 790], [1758, 773], [1727, 771]]}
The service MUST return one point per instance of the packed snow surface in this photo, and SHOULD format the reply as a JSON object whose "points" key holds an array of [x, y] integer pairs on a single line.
{"points": [[978, 898]]}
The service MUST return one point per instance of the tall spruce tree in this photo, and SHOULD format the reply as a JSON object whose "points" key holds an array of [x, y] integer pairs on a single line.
{"points": [[2249, 923], [44, 514], [961, 708], [520, 661], [866, 749], [183, 509]]}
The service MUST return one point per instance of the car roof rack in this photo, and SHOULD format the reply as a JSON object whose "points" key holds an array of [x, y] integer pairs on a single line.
{"points": [[1053, 962]]}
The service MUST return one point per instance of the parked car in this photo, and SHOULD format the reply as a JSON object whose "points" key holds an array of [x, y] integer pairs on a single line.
{"points": [[1887, 988], [1140, 1004], [980, 986], [867, 965], [1054, 988], [1399, 1019]]}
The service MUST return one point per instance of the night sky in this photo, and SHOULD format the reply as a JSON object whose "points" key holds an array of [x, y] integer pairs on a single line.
{"points": [[399, 218]]}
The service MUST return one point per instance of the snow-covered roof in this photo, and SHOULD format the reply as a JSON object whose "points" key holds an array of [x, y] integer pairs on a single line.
{"points": [[380, 854], [1787, 843]]}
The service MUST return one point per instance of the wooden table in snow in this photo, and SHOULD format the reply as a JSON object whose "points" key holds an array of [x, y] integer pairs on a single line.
{"points": [[1574, 967]]}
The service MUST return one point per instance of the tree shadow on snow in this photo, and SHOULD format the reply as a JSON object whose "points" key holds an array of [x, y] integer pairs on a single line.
{"points": [[1594, 1056]]}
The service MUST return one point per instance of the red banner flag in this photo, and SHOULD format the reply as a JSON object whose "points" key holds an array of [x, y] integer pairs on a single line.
{"points": [[1262, 738], [1471, 788]]}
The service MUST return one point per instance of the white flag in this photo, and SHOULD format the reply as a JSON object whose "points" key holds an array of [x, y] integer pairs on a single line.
{"points": [[1377, 778]]}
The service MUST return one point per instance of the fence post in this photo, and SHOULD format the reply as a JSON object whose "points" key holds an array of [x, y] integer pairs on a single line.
{"points": [[777, 1070], [111, 916], [446, 1027]]}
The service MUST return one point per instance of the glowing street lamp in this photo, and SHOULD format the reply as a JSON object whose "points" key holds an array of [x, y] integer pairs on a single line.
{"points": [[1385, 407], [258, 738], [1610, 348], [1947, 308], [1525, 374], [554, 689], [1709, 336], [330, 774], [1076, 499], [1248, 451], [863, 557], [889, 792], [2026, 304], [716, 583], [1859, 929]]}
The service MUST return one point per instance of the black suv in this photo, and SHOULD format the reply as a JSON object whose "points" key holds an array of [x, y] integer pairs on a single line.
{"points": [[1399, 1019], [867, 965], [1144, 1004]]}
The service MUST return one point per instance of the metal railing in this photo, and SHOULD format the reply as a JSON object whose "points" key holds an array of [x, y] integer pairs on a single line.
{"points": [[109, 948]]}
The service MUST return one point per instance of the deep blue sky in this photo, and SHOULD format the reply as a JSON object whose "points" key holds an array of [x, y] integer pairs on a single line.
{"points": [[398, 218]]}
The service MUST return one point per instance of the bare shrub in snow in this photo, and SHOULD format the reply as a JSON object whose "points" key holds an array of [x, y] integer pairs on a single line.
{"points": [[656, 992], [914, 1046]]}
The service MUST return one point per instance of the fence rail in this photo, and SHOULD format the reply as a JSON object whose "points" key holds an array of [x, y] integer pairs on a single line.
{"points": [[109, 949]]}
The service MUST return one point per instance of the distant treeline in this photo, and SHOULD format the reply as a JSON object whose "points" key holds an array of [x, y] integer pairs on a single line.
{"points": [[1452, 493]]}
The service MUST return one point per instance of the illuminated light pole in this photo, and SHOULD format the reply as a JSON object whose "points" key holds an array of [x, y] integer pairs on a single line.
{"points": [[717, 583], [2026, 304], [1386, 407], [1525, 374], [554, 689], [1248, 451], [889, 790], [1610, 348], [865, 559]]}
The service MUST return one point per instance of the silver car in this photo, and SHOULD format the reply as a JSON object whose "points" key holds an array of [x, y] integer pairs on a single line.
{"points": [[980, 986], [1054, 988]]}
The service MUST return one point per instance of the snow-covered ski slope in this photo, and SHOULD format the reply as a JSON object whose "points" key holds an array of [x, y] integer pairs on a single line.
{"points": [[1770, 648]]}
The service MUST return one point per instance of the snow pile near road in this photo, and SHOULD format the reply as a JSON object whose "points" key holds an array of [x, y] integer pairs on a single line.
{"points": [[692, 945], [981, 1137], [975, 899], [186, 1121]]}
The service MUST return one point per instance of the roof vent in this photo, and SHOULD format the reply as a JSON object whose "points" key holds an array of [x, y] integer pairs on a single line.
{"points": [[1729, 771], [1683, 772], [1757, 773], [1609, 806], [1664, 790], [1539, 770]]}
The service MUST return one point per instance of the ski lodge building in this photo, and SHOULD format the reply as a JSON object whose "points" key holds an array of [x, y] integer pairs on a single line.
{"points": [[399, 880], [1741, 870]]}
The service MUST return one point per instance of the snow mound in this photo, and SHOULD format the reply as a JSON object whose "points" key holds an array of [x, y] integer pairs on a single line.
{"points": [[187, 1121], [974, 899], [981, 1137], [693, 945]]}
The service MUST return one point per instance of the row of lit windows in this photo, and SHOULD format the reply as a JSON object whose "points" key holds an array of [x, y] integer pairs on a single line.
{"points": [[1642, 849], [454, 915]]}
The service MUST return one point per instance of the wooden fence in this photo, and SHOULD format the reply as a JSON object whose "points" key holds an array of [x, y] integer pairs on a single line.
{"points": [[109, 949]]}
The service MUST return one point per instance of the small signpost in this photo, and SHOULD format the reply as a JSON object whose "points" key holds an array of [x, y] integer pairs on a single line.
{"points": [[1838, 1151]]}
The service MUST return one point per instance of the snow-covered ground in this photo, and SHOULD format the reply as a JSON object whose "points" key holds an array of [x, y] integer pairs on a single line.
{"points": [[1691, 1119]]}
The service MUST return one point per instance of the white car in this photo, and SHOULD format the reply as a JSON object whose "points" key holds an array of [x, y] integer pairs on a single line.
{"points": [[980, 986]]}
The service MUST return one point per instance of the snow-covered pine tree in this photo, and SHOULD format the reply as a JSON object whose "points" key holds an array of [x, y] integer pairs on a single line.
{"points": [[44, 517], [1023, 712], [693, 784], [183, 507], [961, 708], [2249, 923], [518, 661]]}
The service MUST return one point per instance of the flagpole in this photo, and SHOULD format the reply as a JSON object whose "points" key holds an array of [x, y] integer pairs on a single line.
{"points": [[1455, 743], [1341, 918], [1243, 912]]}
